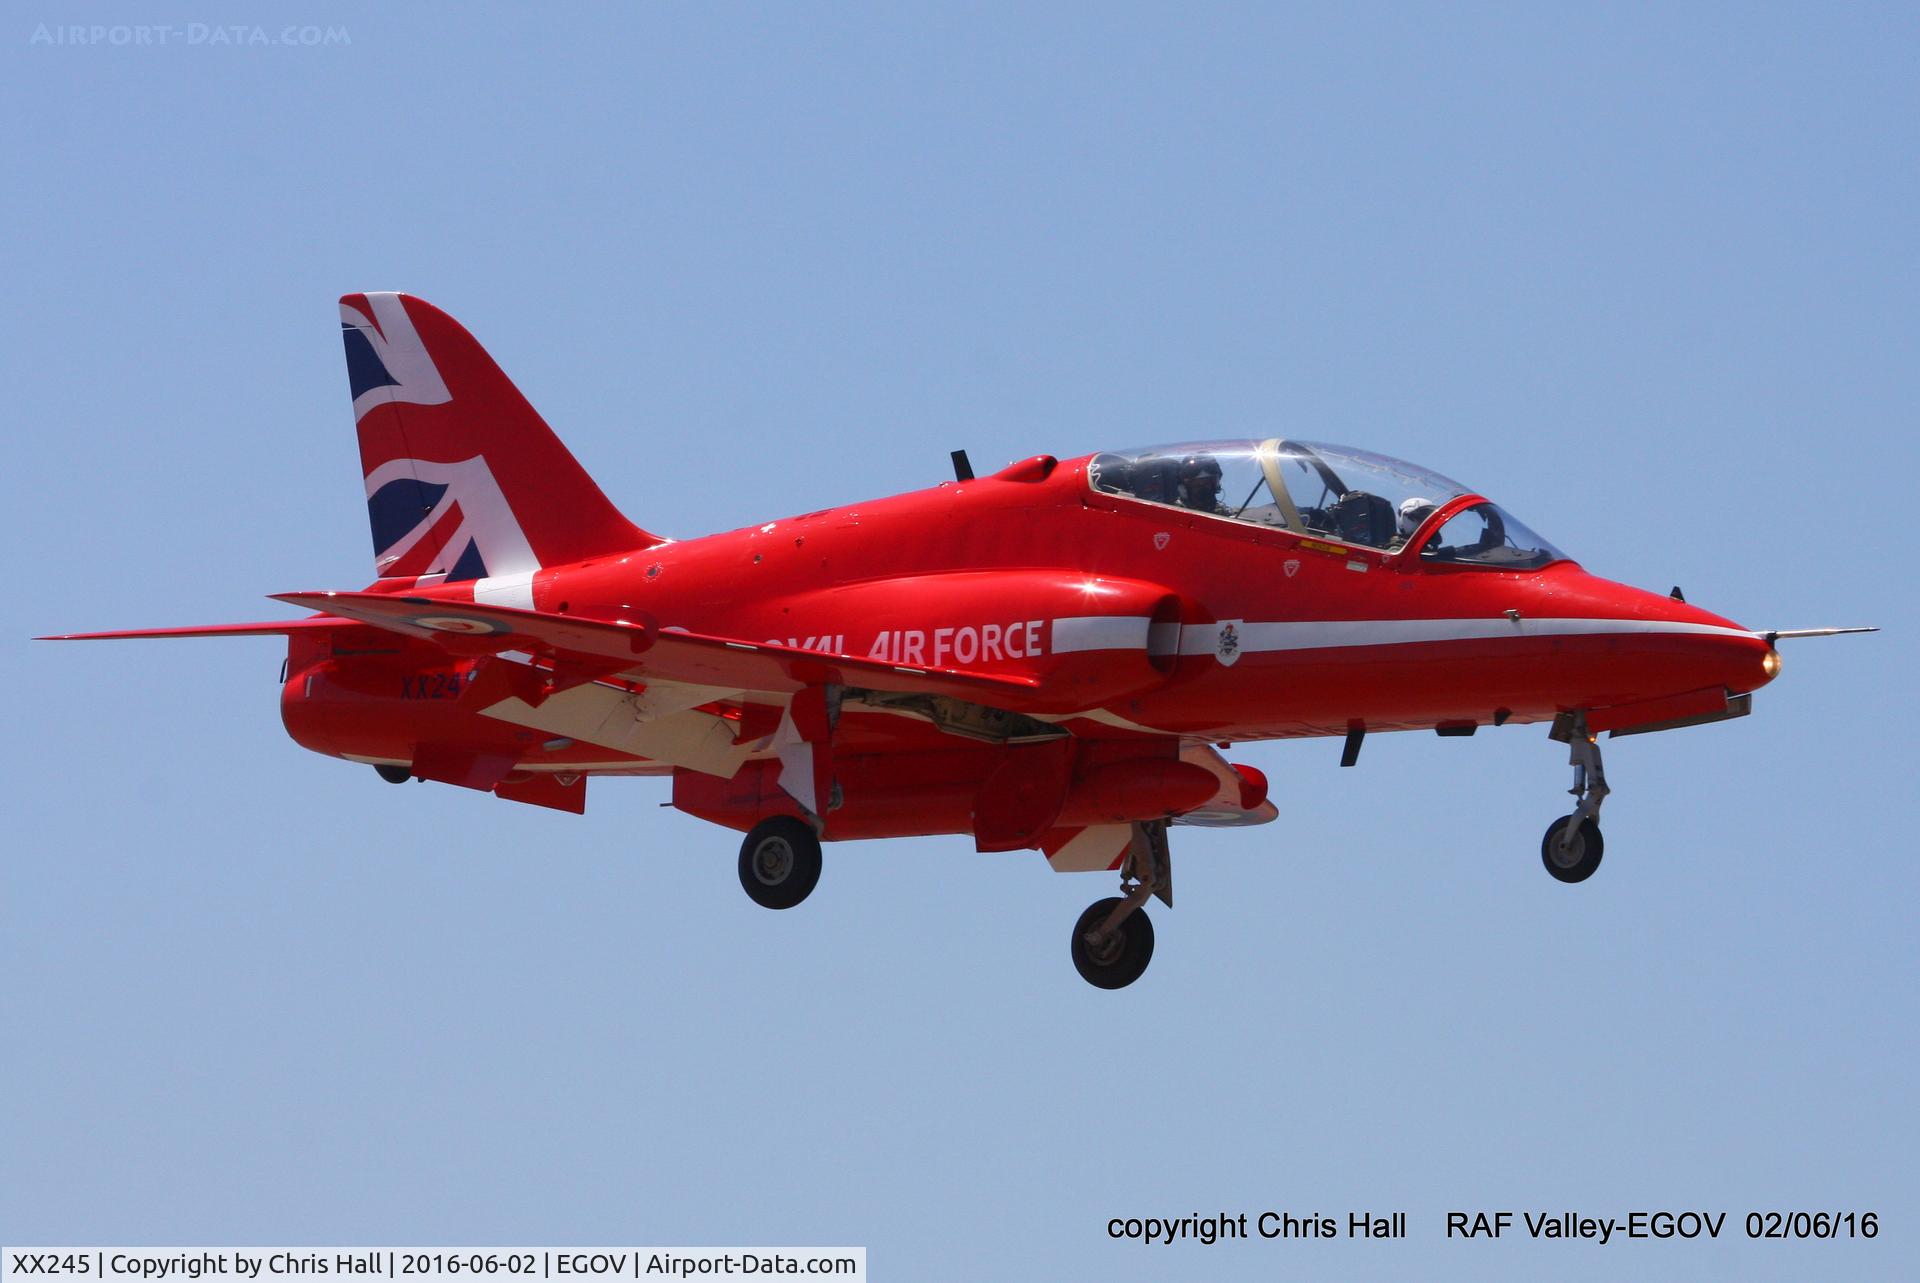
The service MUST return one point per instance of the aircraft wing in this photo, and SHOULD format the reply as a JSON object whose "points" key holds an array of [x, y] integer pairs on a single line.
{"points": [[645, 651], [267, 628]]}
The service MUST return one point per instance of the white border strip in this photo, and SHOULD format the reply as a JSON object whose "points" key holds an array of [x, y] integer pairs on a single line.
{"points": [[1100, 632], [1201, 639]]}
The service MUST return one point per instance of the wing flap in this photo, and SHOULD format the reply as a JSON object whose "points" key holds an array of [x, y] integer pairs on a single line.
{"points": [[622, 721]]}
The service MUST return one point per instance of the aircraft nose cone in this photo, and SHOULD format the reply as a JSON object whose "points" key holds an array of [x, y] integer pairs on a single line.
{"points": [[1703, 649], [1741, 660]]}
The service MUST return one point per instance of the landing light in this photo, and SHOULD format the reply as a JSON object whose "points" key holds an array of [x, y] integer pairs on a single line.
{"points": [[1771, 664]]}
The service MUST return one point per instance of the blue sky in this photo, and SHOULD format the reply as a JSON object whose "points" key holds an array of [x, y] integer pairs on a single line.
{"points": [[1646, 277]]}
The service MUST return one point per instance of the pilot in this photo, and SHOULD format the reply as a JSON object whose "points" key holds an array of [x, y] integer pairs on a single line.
{"points": [[1412, 513], [1200, 484]]}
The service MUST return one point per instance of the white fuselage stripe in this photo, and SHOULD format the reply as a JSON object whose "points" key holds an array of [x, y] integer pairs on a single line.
{"points": [[1078, 634], [1100, 632], [1203, 639], [514, 590]]}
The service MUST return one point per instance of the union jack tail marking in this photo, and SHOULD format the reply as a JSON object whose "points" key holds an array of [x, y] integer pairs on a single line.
{"points": [[464, 479]]}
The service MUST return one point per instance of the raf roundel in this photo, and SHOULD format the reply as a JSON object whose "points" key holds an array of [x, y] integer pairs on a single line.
{"points": [[463, 624]]}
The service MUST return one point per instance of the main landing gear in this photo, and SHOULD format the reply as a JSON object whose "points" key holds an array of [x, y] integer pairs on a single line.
{"points": [[1572, 848], [1113, 940], [780, 862]]}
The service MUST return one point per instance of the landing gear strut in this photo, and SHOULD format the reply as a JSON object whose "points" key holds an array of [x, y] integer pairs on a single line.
{"points": [[780, 862], [1572, 848], [1113, 940]]}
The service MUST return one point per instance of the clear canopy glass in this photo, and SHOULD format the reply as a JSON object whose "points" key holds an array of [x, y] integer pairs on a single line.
{"points": [[1325, 491]]}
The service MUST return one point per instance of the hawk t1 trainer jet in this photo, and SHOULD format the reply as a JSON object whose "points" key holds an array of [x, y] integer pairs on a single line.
{"points": [[1047, 658]]}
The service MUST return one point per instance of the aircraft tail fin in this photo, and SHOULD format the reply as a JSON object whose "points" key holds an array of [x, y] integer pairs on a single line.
{"points": [[464, 479]]}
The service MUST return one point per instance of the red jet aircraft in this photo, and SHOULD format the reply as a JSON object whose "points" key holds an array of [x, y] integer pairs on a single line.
{"points": [[1046, 658]]}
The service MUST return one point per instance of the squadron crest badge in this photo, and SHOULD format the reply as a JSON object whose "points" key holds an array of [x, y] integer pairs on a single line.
{"points": [[1227, 646]]}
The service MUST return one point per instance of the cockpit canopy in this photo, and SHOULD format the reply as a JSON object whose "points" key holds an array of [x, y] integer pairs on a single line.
{"points": [[1324, 491]]}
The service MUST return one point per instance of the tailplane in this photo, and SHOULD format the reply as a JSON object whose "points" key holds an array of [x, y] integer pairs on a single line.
{"points": [[464, 479]]}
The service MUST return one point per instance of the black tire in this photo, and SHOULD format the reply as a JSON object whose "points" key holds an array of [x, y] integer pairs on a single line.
{"points": [[1127, 953], [780, 862], [1576, 863], [394, 774]]}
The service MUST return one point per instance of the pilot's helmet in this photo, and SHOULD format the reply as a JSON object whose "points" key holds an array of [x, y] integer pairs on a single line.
{"points": [[1413, 512], [1199, 481]]}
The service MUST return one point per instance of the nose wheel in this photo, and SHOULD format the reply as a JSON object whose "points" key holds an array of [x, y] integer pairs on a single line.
{"points": [[1572, 848], [1113, 940]]}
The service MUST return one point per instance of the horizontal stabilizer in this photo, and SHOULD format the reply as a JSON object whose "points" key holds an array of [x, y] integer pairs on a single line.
{"points": [[269, 628], [649, 652]]}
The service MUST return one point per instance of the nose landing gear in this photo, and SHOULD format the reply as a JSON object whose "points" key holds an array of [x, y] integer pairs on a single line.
{"points": [[1113, 940], [1572, 847]]}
